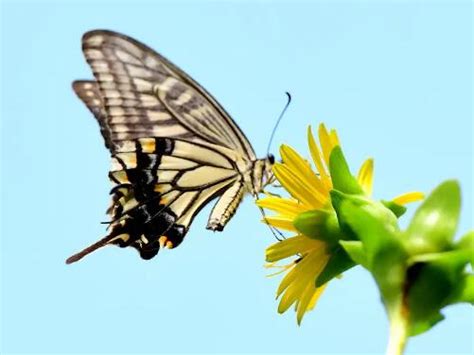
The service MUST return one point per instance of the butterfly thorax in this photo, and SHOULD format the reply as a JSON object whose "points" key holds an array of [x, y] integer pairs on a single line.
{"points": [[257, 175]]}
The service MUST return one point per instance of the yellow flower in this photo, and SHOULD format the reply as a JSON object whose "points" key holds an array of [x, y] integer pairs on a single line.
{"points": [[309, 191]]}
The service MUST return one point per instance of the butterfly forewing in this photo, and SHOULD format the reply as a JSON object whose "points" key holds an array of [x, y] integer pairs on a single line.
{"points": [[147, 96], [88, 92]]}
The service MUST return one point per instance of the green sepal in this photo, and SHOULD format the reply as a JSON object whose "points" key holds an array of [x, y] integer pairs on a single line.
{"points": [[434, 224], [376, 227], [398, 210], [341, 176], [338, 262], [319, 224], [337, 200], [355, 250]]}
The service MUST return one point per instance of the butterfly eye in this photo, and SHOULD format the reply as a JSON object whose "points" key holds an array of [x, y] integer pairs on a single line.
{"points": [[271, 159]]}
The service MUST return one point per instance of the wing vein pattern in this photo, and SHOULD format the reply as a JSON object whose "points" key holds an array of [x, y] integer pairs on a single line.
{"points": [[145, 95]]}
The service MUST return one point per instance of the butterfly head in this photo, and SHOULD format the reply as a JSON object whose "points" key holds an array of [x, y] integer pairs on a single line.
{"points": [[271, 159], [269, 176]]}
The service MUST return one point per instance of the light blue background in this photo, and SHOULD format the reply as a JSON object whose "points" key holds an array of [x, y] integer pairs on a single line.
{"points": [[394, 78]]}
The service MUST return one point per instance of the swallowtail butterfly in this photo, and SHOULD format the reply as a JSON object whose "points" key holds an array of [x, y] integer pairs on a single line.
{"points": [[173, 147]]}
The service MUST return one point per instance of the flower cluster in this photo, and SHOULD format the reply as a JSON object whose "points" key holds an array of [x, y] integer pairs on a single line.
{"points": [[317, 257]]}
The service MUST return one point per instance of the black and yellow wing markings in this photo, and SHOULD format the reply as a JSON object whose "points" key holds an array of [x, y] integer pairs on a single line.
{"points": [[145, 95], [160, 186]]}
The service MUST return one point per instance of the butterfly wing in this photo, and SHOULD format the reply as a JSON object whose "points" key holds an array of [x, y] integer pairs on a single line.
{"points": [[161, 183], [88, 92], [160, 186], [145, 95]]}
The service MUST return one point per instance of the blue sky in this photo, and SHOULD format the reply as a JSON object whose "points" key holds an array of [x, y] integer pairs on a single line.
{"points": [[395, 79]]}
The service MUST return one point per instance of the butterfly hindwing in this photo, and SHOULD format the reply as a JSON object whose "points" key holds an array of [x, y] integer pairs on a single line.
{"points": [[160, 186]]}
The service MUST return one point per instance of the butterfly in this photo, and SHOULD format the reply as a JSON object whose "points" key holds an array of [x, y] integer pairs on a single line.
{"points": [[173, 147]]}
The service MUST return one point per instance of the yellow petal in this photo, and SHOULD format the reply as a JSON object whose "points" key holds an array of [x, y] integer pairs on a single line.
{"points": [[304, 301], [288, 299], [315, 298], [311, 293], [325, 142], [291, 158], [293, 277], [366, 176], [316, 155], [302, 168], [295, 290], [308, 266], [292, 246], [334, 138], [299, 188], [284, 206], [281, 222], [409, 197]]}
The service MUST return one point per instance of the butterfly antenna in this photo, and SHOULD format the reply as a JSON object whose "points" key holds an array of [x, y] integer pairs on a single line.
{"points": [[278, 121]]}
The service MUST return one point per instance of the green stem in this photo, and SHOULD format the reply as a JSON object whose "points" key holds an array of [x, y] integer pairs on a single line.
{"points": [[398, 330]]}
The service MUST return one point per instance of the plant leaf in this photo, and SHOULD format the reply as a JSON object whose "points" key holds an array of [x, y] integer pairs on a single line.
{"points": [[319, 224], [434, 224], [398, 210]]}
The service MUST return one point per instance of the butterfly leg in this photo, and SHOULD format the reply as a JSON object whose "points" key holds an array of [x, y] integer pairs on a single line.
{"points": [[269, 193], [225, 207]]}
